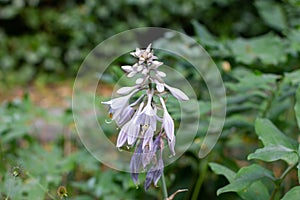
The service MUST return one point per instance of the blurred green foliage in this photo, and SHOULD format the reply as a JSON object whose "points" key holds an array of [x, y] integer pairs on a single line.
{"points": [[255, 44]]}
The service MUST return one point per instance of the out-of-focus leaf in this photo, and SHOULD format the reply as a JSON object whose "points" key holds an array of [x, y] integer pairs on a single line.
{"points": [[298, 166], [269, 49], [294, 41], [273, 153], [297, 106], [253, 81], [272, 14], [256, 191], [245, 177], [203, 34], [292, 194], [222, 170], [269, 134], [293, 77]]}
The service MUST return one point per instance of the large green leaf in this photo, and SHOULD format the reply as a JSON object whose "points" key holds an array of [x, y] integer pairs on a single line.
{"points": [[257, 191], [292, 194], [269, 134], [245, 177], [273, 153]]}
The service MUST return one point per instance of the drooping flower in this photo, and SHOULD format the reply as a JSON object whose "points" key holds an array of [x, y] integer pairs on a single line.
{"points": [[178, 94], [168, 125], [136, 163], [118, 104], [143, 157], [130, 131], [148, 115], [148, 154], [154, 174], [155, 171]]}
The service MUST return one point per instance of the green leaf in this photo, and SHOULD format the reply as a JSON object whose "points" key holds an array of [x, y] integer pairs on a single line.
{"points": [[297, 106], [269, 134], [245, 177], [203, 34], [292, 194], [269, 49], [272, 14], [298, 166], [257, 191], [293, 77], [222, 170], [294, 41], [273, 153]]}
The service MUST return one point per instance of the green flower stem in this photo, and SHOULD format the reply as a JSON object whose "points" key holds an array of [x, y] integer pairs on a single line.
{"points": [[164, 186], [202, 172]]}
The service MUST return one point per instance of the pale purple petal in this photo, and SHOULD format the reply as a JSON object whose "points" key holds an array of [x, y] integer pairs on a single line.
{"points": [[122, 137], [148, 138], [119, 102], [139, 81], [125, 116], [131, 74], [167, 123], [154, 174], [177, 93], [148, 154], [136, 164], [161, 74], [133, 132], [127, 68], [125, 90], [148, 49], [139, 68], [171, 144], [157, 175], [107, 102], [148, 115], [159, 86], [156, 64], [145, 71]]}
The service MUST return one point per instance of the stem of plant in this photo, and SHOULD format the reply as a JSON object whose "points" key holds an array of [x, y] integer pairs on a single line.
{"points": [[202, 171], [281, 178], [164, 186]]}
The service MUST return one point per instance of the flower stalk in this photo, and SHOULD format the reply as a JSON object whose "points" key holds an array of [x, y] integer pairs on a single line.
{"points": [[142, 126]]}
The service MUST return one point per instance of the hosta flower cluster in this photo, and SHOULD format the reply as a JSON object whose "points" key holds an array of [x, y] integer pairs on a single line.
{"points": [[142, 116]]}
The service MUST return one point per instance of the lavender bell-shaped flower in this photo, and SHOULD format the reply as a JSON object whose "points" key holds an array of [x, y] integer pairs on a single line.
{"points": [[119, 106], [168, 125]]}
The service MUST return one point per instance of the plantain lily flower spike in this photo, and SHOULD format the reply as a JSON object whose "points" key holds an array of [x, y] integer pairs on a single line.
{"points": [[142, 126]]}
